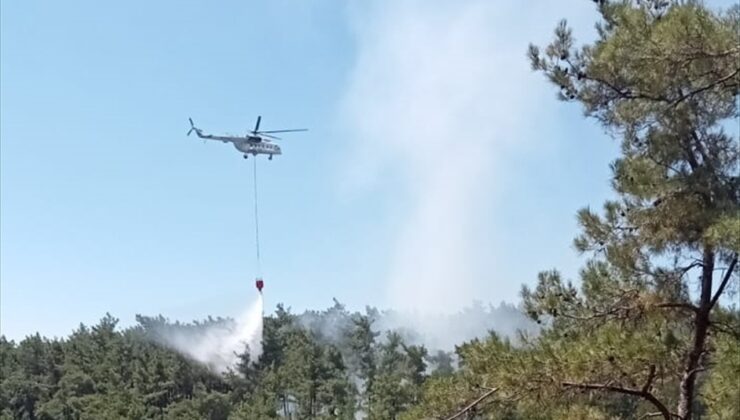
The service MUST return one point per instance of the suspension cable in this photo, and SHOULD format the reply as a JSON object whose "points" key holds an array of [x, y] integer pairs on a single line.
{"points": [[256, 221]]}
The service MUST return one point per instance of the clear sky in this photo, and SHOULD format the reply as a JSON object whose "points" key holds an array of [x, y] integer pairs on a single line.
{"points": [[438, 168]]}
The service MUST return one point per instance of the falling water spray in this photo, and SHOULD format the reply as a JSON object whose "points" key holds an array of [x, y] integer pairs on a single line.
{"points": [[220, 346]]}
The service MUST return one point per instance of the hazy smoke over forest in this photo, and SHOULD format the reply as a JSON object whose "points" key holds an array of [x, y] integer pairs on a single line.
{"points": [[434, 331], [445, 331], [219, 344], [434, 98]]}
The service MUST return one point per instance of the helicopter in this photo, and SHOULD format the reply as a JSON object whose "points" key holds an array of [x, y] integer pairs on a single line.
{"points": [[255, 142]]}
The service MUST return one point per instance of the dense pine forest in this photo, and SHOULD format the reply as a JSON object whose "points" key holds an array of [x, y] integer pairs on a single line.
{"points": [[650, 329], [318, 364]]}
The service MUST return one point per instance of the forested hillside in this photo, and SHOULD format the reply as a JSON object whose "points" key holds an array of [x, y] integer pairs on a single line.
{"points": [[650, 329], [318, 364]]}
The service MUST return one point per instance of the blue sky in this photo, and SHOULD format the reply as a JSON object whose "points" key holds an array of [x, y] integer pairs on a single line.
{"points": [[107, 206]]}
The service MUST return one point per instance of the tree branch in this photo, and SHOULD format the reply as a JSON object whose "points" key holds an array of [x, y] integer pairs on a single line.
{"points": [[628, 391], [654, 414], [722, 285], [707, 87], [650, 379], [472, 404], [697, 370], [721, 53], [686, 306], [623, 93]]}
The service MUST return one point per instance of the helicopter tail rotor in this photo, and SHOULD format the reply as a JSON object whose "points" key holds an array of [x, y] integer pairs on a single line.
{"points": [[192, 126]]}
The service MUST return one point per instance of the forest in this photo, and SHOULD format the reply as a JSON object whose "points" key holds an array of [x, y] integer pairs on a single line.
{"points": [[649, 329], [318, 364]]}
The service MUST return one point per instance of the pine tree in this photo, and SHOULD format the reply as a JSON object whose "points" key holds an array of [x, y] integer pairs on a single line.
{"points": [[664, 78], [362, 343]]}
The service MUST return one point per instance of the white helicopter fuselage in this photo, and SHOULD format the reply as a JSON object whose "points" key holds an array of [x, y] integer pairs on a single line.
{"points": [[247, 145], [257, 148]]}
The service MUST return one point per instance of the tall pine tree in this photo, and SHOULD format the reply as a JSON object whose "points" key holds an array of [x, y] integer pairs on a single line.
{"points": [[663, 77]]}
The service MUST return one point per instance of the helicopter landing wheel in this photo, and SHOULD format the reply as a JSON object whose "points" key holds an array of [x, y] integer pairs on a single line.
{"points": [[246, 157]]}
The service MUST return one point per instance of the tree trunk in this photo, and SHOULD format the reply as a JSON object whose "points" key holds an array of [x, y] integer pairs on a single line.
{"points": [[701, 325]]}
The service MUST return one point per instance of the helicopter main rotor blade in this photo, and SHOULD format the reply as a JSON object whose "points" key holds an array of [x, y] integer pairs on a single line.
{"points": [[283, 131], [257, 126], [269, 136]]}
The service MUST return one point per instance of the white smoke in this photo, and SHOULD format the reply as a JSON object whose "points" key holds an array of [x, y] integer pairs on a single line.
{"points": [[218, 346], [436, 331], [439, 97], [444, 331]]}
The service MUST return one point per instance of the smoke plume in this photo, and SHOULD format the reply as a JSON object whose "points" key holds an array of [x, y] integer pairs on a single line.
{"points": [[436, 100]]}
